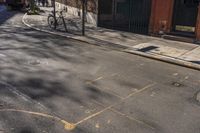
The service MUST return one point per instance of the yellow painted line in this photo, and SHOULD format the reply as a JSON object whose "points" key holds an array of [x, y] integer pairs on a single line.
{"points": [[122, 114], [109, 107], [67, 126], [99, 78], [140, 90], [89, 82], [131, 118], [93, 115]]}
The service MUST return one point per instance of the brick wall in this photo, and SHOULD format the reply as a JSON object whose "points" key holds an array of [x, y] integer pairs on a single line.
{"points": [[161, 17], [197, 31]]}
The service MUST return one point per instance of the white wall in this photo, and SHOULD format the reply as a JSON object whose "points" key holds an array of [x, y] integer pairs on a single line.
{"points": [[90, 17]]}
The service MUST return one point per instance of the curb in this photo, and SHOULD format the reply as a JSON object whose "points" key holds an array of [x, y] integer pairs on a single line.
{"points": [[165, 59], [126, 49]]}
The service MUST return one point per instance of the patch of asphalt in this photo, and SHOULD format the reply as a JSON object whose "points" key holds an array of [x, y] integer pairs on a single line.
{"points": [[123, 48]]}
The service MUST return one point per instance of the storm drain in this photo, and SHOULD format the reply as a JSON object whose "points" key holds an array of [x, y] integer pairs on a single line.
{"points": [[149, 48]]}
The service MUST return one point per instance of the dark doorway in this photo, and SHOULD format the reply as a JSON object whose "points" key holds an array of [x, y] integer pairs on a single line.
{"points": [[185, 16], [125, 15]]}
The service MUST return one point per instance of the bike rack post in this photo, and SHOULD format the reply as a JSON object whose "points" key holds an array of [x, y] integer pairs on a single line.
{"points": [[83, 17], [54, 13]]}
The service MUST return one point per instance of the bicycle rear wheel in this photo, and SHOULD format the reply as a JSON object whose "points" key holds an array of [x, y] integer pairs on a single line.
{"points": [[51, 21]]}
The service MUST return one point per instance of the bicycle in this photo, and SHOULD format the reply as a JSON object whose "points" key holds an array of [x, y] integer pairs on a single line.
{"points": [[54, 21]]}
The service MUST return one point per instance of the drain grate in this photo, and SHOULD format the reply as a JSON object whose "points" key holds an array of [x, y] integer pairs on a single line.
{"points": [[149, 48]]}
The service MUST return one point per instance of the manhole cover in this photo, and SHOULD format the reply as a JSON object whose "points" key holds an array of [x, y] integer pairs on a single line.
{"points": [[149, 48], [176, 84]]}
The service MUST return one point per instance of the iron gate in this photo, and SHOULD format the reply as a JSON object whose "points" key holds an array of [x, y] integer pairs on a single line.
{"points": [[126, 15]]}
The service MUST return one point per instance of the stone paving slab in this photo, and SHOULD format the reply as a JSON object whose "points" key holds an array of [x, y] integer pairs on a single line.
{"points": [[160, 49], [193, 55]]}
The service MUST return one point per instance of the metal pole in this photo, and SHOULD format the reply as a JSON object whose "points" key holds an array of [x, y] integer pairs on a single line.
{"points": [[54, 13], [83, 17]]}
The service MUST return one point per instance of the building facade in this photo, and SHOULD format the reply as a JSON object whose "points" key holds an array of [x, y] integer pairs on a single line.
{"points": [[179, 17], [155, 17]]}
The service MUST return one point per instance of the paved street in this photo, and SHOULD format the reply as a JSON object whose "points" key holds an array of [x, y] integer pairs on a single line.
{"points": [[52, 84]]}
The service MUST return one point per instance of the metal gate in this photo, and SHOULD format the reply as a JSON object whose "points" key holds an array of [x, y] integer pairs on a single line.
{"points": [[126, 15], [185, 15]]}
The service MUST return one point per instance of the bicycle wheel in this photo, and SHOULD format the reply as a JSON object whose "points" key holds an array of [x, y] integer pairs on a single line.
{"points": [[51, 21]]}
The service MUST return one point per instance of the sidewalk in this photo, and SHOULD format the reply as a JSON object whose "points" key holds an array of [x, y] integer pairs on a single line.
{"points": [[180, 53]]}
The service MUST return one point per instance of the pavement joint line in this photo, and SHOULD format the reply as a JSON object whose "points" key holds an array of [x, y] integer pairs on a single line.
{"points": [[15, 91], [90, 82], [131, 118], [101, 77], [107, 90], [189, 51], [141, 90], [109, 107], [67, 125], [124, 115]]}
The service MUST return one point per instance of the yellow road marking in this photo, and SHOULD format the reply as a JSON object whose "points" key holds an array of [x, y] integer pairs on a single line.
{"points": [[140, 90], [71, 126], [99, 78], [131, 118], [89, 82], [67, 125], [109, 107], [122, 114]]}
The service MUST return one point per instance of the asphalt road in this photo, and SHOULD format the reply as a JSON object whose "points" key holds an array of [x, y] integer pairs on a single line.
{"points": [[53, 84]]}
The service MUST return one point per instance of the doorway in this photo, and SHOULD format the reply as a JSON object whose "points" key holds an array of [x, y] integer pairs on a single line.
{"points": [[185, 16]]}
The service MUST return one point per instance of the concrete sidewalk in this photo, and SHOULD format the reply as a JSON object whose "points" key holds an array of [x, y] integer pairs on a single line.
{"points": [[184, 54]]}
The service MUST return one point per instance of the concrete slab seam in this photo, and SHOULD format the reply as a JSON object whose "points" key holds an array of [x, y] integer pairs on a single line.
{"points": [[109, 107]]}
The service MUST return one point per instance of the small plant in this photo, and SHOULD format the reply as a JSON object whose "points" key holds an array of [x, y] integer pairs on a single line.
{"points": [[34, 9]]}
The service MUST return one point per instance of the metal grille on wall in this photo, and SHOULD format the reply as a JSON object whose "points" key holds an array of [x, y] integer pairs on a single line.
{"points": [[126, 15]]}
